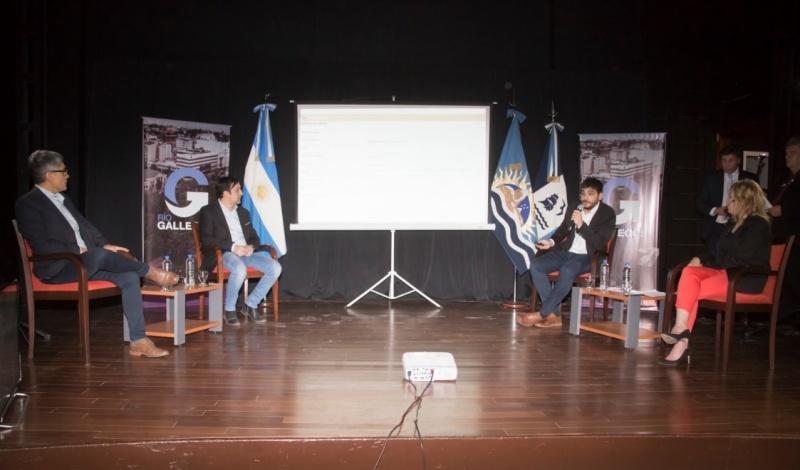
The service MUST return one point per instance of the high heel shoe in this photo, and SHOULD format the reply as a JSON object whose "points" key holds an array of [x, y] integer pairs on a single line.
{"points": [[687, 354], [671, 338]]}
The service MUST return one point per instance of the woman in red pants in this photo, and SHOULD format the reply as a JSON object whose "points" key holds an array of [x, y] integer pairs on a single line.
{"points": [[746, 241]]}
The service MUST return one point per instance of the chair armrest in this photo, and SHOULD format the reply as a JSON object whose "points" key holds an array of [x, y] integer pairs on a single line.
{"points": [[74, 259], [271, 249], [673, 276], [733, 281]]}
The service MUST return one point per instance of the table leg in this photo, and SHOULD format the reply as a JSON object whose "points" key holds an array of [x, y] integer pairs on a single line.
{"points": [[178, 311], [126, 332], [575, 311], [632, 325], [215, 308], [616, 312], [660, 325]]}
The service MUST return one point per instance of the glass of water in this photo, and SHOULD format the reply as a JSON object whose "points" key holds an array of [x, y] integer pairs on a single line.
{"points": [[589, 281], [202, 276]]}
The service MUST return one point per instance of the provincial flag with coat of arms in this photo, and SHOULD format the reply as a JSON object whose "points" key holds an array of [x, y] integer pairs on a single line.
{"points": [[521, 214], [262, 193], [510, 199]]}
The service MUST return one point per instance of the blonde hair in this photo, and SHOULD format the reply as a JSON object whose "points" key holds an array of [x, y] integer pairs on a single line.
{"points": [[750, 197]]}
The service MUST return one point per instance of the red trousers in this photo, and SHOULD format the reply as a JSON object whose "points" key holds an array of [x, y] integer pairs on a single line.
{"points": [[697, 283]]}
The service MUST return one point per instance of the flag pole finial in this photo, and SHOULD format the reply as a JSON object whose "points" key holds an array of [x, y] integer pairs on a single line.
{"points": [[266, 97], [553, 111]]}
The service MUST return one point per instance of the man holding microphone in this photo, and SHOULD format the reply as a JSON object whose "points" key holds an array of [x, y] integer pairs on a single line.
{"points": [[570, 252]]}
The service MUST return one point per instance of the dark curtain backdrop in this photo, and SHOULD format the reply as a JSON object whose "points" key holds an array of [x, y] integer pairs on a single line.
{"points": [[214, 61]]}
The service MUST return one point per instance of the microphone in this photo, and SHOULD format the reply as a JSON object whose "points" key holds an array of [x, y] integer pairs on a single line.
{"points": [[572, 224]]}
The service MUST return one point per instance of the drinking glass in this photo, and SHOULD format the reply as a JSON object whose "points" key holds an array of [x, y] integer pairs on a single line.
{"points": [[202, 276], [589, 281]]}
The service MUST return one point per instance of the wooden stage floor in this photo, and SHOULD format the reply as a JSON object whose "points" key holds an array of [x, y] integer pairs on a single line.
{"points": [[323, 387]]}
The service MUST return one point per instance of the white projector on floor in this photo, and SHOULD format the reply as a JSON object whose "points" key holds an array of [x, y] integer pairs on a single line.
{"points": [[421, 366]]}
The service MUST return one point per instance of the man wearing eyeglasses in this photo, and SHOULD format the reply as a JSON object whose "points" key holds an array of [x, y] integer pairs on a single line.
{"points": [[50, 223]]}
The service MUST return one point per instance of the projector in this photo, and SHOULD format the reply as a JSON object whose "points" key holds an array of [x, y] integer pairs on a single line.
{"points": [[421, 366]]}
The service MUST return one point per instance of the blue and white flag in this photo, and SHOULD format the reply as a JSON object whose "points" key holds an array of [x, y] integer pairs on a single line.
{"points": [[511, 198], [262, 193], [550, 196]]}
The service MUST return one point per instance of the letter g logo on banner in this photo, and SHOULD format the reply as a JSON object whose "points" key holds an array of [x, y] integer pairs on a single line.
{"points": [[196, 200]]}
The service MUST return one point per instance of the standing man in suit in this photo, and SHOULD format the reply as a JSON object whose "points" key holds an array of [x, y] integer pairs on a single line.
{"points": [[714, 194], [227, 225], [785, 213], [50, 223], [570, 252]]}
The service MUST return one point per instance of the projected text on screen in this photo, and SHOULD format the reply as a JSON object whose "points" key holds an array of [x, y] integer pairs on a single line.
{"points": [[395, 166]]}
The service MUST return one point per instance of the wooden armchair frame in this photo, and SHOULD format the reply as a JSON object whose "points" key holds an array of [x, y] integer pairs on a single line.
{"points": [[220, 274], [81, 291], [732, 302]]}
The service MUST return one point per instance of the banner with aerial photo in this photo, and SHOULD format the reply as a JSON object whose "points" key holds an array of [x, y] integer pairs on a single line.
{"points": [[181, 163], [630, 167]]}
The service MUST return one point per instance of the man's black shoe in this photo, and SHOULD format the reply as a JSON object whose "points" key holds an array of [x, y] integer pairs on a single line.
{"points": [[253, 313], [231, 318]]}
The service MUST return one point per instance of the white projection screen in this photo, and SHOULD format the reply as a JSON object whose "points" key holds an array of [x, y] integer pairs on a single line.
{"points": [[387, 167]]}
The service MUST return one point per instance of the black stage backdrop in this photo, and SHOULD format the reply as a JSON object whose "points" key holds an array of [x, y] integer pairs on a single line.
{"points": [[114, 62]]}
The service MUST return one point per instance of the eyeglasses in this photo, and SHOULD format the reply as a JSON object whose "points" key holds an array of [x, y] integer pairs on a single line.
{"points": [[65, 171]]}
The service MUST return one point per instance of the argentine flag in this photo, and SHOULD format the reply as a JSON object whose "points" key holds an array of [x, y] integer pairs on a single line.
{"points": [[262, 193]]}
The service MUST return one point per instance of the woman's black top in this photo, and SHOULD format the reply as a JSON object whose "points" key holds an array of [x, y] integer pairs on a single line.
{"points": [[750, 245]]}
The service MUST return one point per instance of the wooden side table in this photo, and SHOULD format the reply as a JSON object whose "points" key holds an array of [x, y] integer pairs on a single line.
{"points": [[629, 331], [176, 325]]}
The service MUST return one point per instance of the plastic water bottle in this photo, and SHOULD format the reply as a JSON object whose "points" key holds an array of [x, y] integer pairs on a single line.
{"points": [[627, 285], [604, 275], [166, 265], [190, 270]]}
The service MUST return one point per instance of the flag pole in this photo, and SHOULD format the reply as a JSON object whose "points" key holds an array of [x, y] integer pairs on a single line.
{"points": [[514, 304]]}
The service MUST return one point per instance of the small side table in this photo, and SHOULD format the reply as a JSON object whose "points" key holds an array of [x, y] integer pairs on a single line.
{"points": [[176, 325], [629, 331]]}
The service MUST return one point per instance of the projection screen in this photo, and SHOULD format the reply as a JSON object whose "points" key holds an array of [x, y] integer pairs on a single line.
{"points": [[387, 167]]}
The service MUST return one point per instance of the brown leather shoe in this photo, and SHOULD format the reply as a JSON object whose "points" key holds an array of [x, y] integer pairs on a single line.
{"points": [[145, 347], [161, 277], [529, 319], [550, 321]]}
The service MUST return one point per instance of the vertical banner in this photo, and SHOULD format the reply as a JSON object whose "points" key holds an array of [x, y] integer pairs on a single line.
{"points": [[630, 167], [181, 163]]}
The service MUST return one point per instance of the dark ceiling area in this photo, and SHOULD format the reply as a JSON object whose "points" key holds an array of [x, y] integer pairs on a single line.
{"points": [[706, 73]]}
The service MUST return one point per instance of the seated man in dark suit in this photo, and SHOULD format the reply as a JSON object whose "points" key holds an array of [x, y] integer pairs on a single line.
{"points": [[50, 223], [714, 194], [571, 248], [226, 225]]}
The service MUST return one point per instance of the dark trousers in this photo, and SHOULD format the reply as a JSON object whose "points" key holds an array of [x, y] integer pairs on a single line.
{"points": [[125, 273], [569, 265]]}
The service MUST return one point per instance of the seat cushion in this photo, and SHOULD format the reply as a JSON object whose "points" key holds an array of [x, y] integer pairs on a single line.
{"points": [[68, 287], [742, 298]]}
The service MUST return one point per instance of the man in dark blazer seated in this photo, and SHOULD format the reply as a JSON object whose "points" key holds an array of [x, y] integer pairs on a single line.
{"points": [[50, 223], [713, 195], [226, 225], [571, 248], [785, 213]]}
